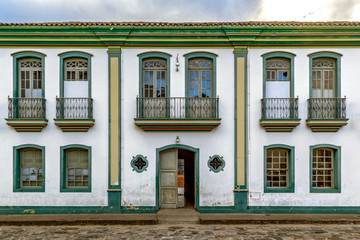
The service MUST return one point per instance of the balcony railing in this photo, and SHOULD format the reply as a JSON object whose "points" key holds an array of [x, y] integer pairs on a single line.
{"points": [[74, 108], [177, 107], [27, 108], [279, 108], [327, 108]]}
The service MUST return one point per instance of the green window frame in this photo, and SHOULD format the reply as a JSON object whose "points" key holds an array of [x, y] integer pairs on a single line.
{"points": [[74, 54], [24, 55], [17, 151], [333, 55], [290, 188], [206, 55], [63, 168], [279, 55], [335, 168], [154, 55]]}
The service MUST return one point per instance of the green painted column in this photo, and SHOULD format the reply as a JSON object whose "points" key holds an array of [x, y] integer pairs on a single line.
{"points": [[114, 189], [240, 155]]}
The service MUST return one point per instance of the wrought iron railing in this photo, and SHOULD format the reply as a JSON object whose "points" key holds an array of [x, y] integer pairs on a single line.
{"points": [[279, 108], [74, 108], [30, 108], [327, 108], [177, 107]]}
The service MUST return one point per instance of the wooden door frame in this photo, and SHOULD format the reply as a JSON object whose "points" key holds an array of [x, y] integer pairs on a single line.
{"points": [[196, 152]]}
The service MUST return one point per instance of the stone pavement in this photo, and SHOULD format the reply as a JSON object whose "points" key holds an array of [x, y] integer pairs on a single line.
{"points": [[182, 231]]}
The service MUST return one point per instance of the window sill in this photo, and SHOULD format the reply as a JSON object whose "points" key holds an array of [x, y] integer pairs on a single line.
{"points": [[326, 190], [27, 125], [279, 125], [177, 124], [42, 189], [279, 190], [326, 125], [74, 125], [75, 190]]}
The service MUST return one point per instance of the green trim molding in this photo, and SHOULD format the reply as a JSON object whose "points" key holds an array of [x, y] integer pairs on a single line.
{"points": [[17, 168], [178, 146], [74, 125], [326, 125], [74, 54], [63, 187], [216, 163], [192, 55], [279, 125], [337, 169], [240, 130], [291, 170], [279, 54], [114, 94], [27, 54], [140, 168], [27, 125], [146, 55], [177, 124]]}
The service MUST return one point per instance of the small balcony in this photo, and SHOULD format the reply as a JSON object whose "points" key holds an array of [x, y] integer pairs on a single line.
{"points": [[74, 114], [279, 114], [177, 114], [326, 114], [27, 114]]}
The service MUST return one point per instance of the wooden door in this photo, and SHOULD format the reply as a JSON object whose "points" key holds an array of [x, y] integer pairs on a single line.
{"points": [[168, 178]]}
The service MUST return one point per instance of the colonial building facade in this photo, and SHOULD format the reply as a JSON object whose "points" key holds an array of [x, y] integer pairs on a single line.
{"points": [[125, 117]]}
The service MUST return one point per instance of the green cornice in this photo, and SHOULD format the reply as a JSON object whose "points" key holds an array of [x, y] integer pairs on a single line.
{"points": [[179, 36]]}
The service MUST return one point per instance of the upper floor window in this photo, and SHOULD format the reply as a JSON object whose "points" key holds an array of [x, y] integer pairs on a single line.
{"points": [[30, 78], [154, 78], [323, 78], [200, 77], [76, 69], [278, 78]]}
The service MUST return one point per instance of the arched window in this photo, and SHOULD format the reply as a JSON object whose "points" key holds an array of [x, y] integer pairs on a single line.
{"points": [[323, 78], [278, 78], [279, 168]]}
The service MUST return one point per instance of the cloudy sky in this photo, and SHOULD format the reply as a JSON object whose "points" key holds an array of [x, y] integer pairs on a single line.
{"points": [[13, 11]]}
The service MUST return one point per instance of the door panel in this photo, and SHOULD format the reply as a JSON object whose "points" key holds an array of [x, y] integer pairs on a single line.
{"points": [[168, 178]]}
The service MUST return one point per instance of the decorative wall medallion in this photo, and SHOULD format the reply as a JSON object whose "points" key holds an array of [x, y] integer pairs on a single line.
{"points": [[216, 163], [139, 163]]}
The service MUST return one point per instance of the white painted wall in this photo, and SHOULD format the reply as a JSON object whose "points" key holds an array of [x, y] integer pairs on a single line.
{"points": [[302, 137], [215, 188], [52, 137]]}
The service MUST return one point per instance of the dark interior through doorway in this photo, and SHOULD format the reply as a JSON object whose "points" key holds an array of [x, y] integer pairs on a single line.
{"points": [[186, 178]]}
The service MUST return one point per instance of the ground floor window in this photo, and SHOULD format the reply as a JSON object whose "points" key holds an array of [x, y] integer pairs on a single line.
{"points": [[325, 172], [76, 168], [279, 171], [29, 161]]}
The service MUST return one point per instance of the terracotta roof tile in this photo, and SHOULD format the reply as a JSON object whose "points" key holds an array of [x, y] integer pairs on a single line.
{"points": [[185, 24]]}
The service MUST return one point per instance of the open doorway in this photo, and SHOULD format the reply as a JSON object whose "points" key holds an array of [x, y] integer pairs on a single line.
{"points": [[177, 178]]}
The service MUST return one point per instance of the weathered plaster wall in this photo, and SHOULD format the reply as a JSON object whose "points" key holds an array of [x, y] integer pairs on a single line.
{"points": [[52, 137], [302, 137]]}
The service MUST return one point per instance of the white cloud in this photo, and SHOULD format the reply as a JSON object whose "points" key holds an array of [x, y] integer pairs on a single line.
{"points": [[178, 11]]}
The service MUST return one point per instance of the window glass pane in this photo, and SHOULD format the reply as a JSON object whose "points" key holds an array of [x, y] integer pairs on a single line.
{"points": [[277, 168], [77, 168], [31, 168], [323, 159]]}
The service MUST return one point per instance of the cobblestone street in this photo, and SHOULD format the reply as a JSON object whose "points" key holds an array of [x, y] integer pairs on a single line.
{"points": [[182, 231]]}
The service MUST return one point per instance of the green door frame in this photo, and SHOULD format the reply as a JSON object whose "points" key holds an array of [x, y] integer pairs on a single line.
{"points": [[177, 146]]}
